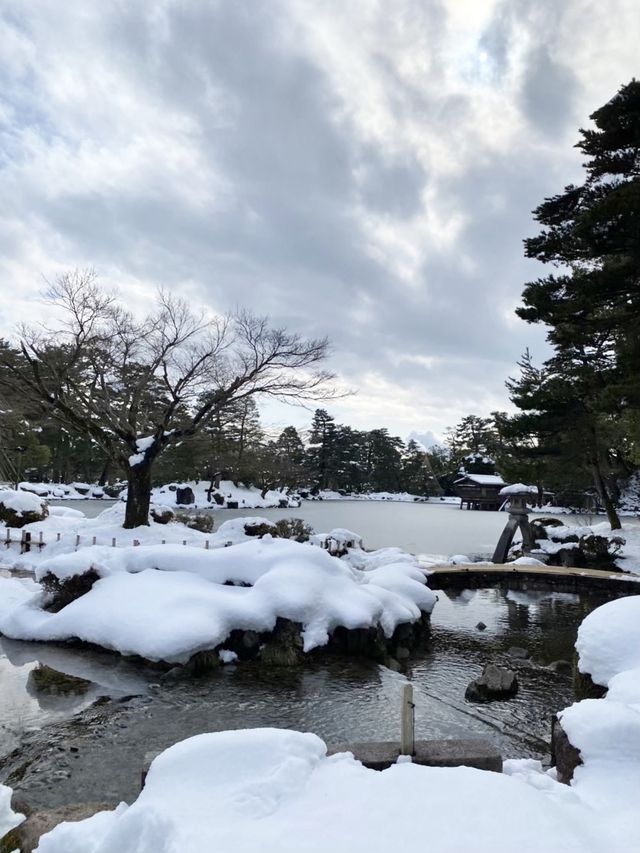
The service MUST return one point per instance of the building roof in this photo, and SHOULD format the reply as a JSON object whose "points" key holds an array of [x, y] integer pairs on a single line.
{"points": [[483, 479]]}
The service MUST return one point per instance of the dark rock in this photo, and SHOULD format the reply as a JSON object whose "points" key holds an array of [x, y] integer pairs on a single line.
{"points": [[494, 683], [518, 652], [26, 836], [161, 515], [564, 754], [63, 592], [402, 653], [481, 626], [232, 505], [283, 503], [284, 648], [185, 496], [218, 498], [563, 667]]}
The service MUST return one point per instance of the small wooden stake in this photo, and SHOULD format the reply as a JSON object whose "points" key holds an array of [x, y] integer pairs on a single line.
{"points": [[93, 541], [113, 542], [407, 735], [206, 544]]}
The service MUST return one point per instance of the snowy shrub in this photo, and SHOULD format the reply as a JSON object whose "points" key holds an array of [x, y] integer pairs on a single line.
{"points": [[63, 592], [20, 508], [293, 528], [203, 522]]}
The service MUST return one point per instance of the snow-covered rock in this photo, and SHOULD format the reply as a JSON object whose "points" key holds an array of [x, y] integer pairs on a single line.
{"points": [[19, 508]]}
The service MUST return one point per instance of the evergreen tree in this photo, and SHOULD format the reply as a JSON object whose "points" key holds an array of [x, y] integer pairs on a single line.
{"points": [[321, 450], [592, 307]]}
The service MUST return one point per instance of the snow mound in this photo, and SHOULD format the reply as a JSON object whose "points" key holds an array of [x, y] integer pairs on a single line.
{"points": [[276, 791], [168, 602], [609, 639]]}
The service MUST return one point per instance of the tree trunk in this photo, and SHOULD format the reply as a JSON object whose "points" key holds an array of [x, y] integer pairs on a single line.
{"points": [[105, 473], [603, 492], [138, 495]]}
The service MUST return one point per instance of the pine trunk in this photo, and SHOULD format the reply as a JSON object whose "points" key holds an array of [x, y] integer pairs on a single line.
{"points": [[607, 503], [138, 496]]}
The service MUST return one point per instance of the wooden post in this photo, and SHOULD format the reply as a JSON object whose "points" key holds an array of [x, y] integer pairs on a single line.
{"points": [[40, 540], [113, 542], [184, 541], [77, 541], [407, 734], [93, 541], [206, 544], [57, 537]]}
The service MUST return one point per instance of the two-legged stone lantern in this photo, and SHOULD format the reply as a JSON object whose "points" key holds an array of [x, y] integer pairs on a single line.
{"points": [[518, 518]]}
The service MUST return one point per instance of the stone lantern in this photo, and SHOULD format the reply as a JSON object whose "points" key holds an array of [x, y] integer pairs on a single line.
{"points": [[518, 518]]}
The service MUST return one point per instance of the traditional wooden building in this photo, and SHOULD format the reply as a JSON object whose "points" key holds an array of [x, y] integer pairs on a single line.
{"points": [[479, 491]]}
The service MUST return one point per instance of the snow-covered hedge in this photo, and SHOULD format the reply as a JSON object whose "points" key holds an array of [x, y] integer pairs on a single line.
{"points": [[169, 602]]}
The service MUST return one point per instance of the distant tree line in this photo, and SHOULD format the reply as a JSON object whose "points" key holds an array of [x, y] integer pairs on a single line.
{"points": [[233, 445]]}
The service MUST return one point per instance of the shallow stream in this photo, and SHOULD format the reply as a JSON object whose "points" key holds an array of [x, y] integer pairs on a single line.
{"points": [[68, 747]]}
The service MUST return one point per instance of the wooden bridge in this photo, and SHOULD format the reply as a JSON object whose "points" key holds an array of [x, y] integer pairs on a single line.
{"points": [[479, 575]]}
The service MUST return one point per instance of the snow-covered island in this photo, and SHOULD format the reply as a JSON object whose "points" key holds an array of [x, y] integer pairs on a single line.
{"points": [[244, 591]]}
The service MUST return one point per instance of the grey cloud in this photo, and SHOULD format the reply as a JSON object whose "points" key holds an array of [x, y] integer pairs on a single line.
{"points": [[282, 231]]}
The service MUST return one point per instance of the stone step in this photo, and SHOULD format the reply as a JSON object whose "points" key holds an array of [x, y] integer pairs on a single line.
{"points": [[378, 755]]}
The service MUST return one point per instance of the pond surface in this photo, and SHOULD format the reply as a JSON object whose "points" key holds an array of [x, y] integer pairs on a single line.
{"points": [[440, 529], [97, 753]]}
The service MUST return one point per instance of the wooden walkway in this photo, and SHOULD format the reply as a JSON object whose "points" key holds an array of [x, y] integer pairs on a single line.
{"points": [[477, 574]]}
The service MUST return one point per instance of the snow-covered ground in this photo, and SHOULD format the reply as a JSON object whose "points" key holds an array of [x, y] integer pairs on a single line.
{"points": [[167, 602], [277, 791]]}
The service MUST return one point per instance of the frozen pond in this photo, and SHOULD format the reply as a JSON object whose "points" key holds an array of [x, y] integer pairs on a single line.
{"points": [[420, 528]]}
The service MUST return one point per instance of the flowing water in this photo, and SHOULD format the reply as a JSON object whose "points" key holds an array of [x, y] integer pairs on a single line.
{"points": [[74, 748]]}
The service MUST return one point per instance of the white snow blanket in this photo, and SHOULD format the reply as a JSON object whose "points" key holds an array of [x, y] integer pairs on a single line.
{"points": [[275, 791], [167, 602]]}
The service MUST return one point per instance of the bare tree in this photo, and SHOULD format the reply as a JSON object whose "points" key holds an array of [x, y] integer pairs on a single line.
{"points": [[139, 386]]}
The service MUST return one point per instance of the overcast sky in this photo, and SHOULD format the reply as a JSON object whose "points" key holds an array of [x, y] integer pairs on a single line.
{"points": [[364, 169]]}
